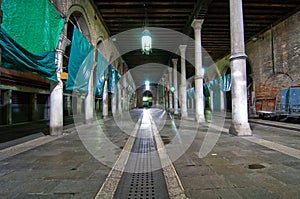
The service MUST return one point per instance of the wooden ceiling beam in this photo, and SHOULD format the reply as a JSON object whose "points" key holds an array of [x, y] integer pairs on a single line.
{"points": [[141, 3], [135, 20], [149, 10], [142, 15]]}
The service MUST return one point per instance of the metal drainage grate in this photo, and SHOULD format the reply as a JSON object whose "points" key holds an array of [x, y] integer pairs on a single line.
{"points": [[142, 186], [144, 178]]}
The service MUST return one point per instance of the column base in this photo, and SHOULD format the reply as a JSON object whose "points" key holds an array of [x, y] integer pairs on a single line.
{"points": [[55, 131], [240, 129], [89, 121], [200, 119], [176, 112], [184, 115]]}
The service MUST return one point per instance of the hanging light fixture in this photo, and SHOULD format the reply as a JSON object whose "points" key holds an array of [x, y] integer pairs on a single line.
{"points": [[146, 42], [146, 37]]}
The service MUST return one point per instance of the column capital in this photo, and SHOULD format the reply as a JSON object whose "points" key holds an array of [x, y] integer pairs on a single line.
{"points": [[197, 24], [182, 48], [240, 55], [175, 60]]}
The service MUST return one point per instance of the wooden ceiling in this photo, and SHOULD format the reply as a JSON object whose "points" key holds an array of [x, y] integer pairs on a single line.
{"points": [[177, 15]]}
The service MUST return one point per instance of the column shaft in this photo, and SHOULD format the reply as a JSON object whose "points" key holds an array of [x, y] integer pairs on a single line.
{"points": [[90, 100], [170, 89], [175, 86], [240, 125], [119, 98], [56, 95], [184, 113], [7, 101], [34, 108], [199, 99], [105, 99]]}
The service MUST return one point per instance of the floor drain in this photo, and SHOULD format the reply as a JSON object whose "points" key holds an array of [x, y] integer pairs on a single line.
{"points": [[256, 166]]}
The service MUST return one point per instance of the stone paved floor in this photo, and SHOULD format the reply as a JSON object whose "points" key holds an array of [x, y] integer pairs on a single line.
{"points": [[63, 168]]}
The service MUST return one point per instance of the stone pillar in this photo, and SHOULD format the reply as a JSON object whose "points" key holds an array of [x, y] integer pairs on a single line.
{"points": [[184, 113], [78, 104], [114, 103], [56, 89], [105, 99], [90, 100], [199, 112], [240, 125], [192, 104], [157, 95], [222, 100], [175, 86], [119, 98], [34, 108], [163, 92], [7, 101], [170, 89]]}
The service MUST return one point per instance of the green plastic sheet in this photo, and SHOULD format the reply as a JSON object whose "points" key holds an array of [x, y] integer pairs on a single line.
{"points": [[101, 72], [114, 77], [35, 25], [80, 63], [16, 57]]}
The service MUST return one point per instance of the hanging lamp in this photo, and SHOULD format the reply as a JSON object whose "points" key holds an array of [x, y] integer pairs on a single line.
{"points": [[146, 37]]}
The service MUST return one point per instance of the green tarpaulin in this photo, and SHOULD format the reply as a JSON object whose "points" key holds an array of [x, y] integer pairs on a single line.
{"points": [[16, 57], [35, 25], [101, 72], [80, 63]]}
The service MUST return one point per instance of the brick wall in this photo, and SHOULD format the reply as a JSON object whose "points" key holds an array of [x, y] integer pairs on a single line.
{"points": [[275, 60]]}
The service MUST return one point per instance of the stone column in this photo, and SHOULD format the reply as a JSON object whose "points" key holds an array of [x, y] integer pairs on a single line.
{"points": [[192, 104], [56, 89], [170, 89], [119, 98], [90, 100], [157, 95], [199, 112], [184, 113], [222, 100], [163, 92], [34, 108], [240, 125], [105, 99], [175, 86], [114, 103], [78, 104], [7, 101]]}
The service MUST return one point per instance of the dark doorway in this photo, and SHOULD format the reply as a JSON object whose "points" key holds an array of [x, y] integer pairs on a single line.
{"points": [[147, 99]]}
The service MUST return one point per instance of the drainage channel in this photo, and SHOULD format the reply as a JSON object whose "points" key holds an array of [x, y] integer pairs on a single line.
{"points": [[143, 176]]}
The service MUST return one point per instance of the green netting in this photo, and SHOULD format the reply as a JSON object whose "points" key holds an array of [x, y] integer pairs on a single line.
{"points": [[80, 63], [16, 57], [113, 79], [101, 71], [34, 24]]}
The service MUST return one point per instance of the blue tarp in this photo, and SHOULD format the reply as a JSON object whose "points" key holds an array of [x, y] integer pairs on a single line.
{"points": [[114, 77], [101, 72], [80, 63]]}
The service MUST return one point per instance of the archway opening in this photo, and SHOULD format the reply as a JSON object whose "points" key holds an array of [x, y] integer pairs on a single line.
{"points": [[147, 99]]}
